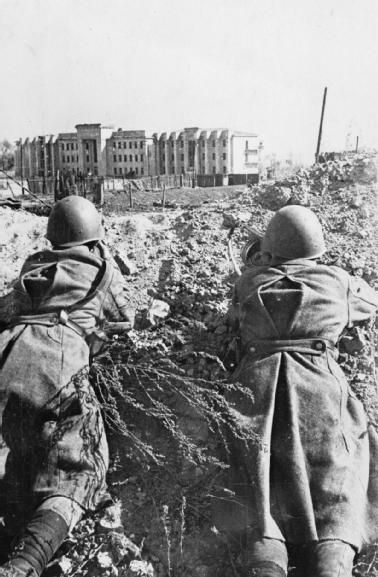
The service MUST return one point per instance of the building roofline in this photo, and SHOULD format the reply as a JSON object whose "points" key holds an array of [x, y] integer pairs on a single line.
{"points": [[67, 135]]}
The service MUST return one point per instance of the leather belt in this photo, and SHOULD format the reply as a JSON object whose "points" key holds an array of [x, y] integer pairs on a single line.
{"points": [[316, 346], [47, 319]]}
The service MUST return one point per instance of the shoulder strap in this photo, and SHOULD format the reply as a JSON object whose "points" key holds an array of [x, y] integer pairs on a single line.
{"points": [[102, 283]]}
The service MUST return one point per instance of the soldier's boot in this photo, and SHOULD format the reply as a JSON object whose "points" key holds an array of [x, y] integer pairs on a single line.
{"points": [[9, 571], [265, 558], [332, 558], [264, 569], [41, 538]]}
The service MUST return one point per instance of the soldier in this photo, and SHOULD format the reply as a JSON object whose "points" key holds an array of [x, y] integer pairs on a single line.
{"points": [[307, 486], [52, 424]]}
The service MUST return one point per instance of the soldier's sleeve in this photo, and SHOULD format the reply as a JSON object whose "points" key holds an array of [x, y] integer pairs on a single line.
{"points": [[362, 301], [117, 307], [233, 314], [6, 309], [11, 306], [233, 311]]}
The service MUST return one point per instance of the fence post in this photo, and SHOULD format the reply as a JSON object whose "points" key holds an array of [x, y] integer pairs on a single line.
{"points": [[100, 192], [130, 196], [56, 186]]}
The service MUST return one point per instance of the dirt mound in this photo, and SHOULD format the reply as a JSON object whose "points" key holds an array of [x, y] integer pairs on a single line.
{"points": [[162, 386]]}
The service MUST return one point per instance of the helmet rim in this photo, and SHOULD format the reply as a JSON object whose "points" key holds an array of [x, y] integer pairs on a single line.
{"points": [[294, 232], [74, 221]]}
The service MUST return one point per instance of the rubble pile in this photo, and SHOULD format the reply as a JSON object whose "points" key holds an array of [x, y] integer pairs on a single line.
{"points": [[330, 175], [162, 384]]}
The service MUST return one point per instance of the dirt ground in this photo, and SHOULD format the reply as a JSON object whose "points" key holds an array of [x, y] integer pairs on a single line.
{"points": [[179, 256]]}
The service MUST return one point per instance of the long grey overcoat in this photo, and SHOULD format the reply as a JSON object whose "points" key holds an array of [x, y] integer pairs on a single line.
{"points": [[52, 422], [313, 475]]}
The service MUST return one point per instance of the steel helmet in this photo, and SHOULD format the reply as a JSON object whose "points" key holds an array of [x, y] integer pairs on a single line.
{"points": [[74, 220], [294, 232]]}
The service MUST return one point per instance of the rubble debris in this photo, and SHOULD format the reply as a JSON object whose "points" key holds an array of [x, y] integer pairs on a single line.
{"points": [[163, 376], [157, 310]]}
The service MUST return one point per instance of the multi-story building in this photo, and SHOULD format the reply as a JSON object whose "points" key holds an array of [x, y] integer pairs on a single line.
{"points": [[81, 152], [129, 154], [37, 157], [207, 152], [96, 150], [67, 151]]}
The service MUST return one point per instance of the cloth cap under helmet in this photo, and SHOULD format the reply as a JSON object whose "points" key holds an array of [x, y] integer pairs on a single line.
{"points": [[73, 221], [294, 232]]}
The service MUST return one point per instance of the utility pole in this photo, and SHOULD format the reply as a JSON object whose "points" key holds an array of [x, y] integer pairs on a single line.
{"points": [[357, 139], [22, 167], [321, 125]]}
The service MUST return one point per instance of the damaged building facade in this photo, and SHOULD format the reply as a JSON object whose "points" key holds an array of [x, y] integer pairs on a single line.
{"points": [[215, 156]]}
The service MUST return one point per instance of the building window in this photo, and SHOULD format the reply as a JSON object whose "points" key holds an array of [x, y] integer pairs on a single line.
{"points": [[125, 158], [131, 157], [120, 157], [115, 170], [135, 145], [120, 169], [141, 143], [136, 158], [182, 158], [114, 158], [213, 143], [62, 145], [124, 145], [213, 155], [119, 144], [181, 143], [225, 170], [87, 146], [224, 156], [130, 144], [225, 143], [136, 171], [173, 157], [163, 157], [142, 171], [141, 157]]}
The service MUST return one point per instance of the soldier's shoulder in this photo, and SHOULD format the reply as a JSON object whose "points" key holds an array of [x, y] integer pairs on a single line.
{"points": [[335, 272], [40, 257], [334, 269]]}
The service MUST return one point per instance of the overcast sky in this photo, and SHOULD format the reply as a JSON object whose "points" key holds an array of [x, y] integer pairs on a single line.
{"points": [[254, 65]]}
